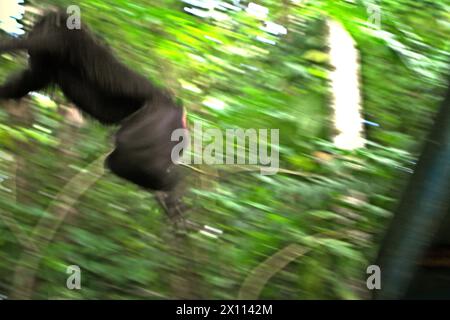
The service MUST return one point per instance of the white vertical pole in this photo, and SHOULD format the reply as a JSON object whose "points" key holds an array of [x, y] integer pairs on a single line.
{"points": [[345, 88]]}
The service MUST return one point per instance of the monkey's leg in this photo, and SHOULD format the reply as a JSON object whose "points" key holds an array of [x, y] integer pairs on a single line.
{"points": [[172, 203], [21, 84]]}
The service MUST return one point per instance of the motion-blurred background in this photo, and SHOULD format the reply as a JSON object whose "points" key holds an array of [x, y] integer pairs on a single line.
{"points": [[353, 87]]}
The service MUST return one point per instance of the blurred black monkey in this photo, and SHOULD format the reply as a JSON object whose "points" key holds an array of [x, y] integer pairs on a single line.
{"points": [[92, 78]]}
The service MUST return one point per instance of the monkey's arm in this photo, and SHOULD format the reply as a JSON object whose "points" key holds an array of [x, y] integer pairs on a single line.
{"points": [[39, 43], [22, 83], [94, 60]]}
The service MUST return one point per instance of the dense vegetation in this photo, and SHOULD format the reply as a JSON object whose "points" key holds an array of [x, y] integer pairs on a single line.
{"points": [[308, 232]]}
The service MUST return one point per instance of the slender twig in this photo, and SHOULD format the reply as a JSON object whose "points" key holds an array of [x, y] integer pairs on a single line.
{"points": [[250, 168], [66, 199], [259, 276]]}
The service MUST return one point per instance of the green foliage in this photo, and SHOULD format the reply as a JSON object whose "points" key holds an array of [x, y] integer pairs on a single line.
{"points": [[336, 207]]}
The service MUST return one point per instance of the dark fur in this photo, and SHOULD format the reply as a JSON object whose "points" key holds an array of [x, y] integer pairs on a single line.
{"points": [[96, 82]]}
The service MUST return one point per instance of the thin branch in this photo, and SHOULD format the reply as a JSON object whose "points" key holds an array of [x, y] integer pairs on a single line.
{"points": [[255, 282], [67, 198], [251, 168]]}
